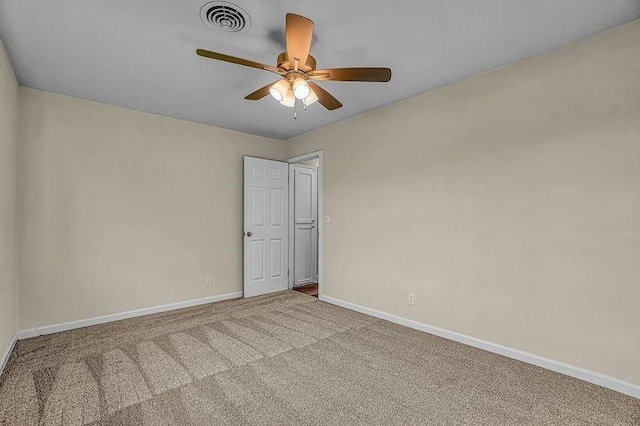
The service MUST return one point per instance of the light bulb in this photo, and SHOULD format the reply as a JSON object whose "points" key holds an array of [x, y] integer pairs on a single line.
{"points": [[289, 99], [279, 89], [311, 99], [300, 88]]}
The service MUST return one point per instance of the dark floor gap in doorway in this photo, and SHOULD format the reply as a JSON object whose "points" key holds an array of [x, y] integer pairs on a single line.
{"points": [[310, 289]]}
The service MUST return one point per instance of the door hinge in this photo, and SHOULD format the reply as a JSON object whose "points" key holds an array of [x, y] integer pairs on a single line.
{"points": [[287, 272]]}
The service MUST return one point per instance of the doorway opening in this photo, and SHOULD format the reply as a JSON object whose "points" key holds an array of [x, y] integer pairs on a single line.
{"points": [[305, 204], [282, 234]]}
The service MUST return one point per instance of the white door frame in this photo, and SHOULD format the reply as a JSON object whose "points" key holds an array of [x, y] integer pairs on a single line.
{"points": [[301, 159]]}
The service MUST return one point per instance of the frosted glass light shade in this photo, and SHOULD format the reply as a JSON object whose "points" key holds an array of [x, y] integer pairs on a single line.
{"points": [[289, 99], [279, 90], [311, 99], [300, 88]]}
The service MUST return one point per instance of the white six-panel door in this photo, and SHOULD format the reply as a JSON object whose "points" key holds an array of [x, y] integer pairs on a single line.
{"points": [[266, 198], [305, 226]]}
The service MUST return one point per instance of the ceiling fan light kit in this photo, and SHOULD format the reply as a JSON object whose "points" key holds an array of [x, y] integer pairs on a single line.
{"points": [[298, 68]]}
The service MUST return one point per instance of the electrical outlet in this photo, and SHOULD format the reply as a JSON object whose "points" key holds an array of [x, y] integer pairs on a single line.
{"points": [[209, 280], [327, 219], [412, 299]]}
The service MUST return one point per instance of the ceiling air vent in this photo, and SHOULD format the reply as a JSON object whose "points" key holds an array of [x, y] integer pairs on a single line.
{"points": [[226, 17]]}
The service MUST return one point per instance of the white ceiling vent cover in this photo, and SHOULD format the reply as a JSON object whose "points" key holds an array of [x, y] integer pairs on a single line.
{"points": [[225, 16]]}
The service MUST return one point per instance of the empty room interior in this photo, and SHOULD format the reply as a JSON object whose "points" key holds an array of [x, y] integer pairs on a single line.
{"points": [[326, 213]]}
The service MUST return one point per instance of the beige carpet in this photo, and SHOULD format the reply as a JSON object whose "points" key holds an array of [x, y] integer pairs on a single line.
{"points": [[284, 359]]}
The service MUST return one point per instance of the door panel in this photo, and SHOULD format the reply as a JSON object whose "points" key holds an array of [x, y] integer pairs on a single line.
{"points": [[304, 273], [265, 226], [257, 212], [257, 259], [277, 257], [304, 195], [278, 208]]}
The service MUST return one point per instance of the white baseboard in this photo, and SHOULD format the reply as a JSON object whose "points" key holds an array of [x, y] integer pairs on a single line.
{"points": [[7, 353], [56, 328], [549, 364]]}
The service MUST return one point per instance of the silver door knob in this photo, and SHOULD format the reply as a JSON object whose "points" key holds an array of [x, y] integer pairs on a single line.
{"points": [[249, 234]]}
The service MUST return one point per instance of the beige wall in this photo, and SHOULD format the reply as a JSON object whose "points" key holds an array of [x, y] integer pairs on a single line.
{"points": [[508, 203], [8, 165], [121, 210]]}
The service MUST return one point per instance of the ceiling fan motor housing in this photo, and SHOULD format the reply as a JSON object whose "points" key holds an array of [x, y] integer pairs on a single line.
{"points": [[285, 64]]}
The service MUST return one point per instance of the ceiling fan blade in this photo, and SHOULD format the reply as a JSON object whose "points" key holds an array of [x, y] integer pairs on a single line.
{"points": [[260, 93], [299, 32], [325, 98], [352, 74], [235, 60]]}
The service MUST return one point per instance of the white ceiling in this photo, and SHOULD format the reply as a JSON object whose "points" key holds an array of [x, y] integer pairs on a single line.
{"points": [[140, 54]]}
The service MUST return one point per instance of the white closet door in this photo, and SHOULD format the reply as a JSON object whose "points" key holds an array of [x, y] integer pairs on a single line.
{"points": [[305, 211]]}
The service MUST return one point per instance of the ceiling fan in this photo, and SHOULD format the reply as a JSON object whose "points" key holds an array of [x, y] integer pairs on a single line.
{"points": [[297, 68]]}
